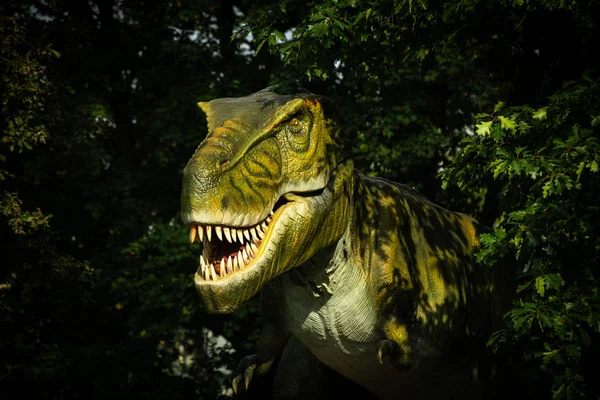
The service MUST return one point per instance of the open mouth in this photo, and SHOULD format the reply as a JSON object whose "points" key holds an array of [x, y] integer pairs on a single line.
{"points": [[228, 250]]}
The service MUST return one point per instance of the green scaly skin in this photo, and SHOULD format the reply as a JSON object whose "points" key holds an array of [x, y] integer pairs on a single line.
{"points": [[359, 273]]}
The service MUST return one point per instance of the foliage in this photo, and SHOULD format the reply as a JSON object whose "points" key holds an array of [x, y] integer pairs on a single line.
{"points": [[37, 279], [547, 160], [25, 89]]}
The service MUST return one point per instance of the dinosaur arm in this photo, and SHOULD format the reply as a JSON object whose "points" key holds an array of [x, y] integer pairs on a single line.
{"points": [[395, 345], [273, 338], [274, 335]]}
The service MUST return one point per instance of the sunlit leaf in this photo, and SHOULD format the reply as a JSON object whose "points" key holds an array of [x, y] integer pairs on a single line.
{"points": [[483, 128], [507, 123], [540, 113]]}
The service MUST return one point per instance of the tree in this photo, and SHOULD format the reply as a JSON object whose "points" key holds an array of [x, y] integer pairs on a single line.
{"points": [[37, 278]]}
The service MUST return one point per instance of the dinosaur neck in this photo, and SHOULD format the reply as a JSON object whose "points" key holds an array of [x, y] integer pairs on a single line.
{"points": [[332, 242], [334, 224]]}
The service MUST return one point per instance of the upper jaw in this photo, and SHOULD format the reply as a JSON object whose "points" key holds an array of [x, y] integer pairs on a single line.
{"points": [[224, 218], [248, 218]]}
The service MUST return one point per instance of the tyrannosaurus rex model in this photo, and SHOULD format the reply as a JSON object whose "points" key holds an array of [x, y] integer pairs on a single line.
{"points": [[358, 273]]}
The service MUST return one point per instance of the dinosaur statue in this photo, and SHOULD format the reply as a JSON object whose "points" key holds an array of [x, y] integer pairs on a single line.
{"points": [[361, 274]]}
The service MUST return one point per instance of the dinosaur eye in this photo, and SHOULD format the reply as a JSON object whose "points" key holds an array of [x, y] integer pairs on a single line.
{"points": [[297, 129], [295, 126]]}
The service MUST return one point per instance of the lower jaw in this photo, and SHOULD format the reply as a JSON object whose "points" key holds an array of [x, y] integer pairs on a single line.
{"points": [[213, 306], [228, 296]]}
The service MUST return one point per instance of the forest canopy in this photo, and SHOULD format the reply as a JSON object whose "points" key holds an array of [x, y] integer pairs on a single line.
{"points": [[491, 108]]}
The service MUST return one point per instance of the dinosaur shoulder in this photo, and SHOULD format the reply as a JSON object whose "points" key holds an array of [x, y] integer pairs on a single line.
{"points": [[404, 205]]}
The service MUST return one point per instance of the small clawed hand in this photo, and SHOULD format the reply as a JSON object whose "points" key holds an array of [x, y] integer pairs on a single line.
{"points": [[247, 367], [399, 356]]}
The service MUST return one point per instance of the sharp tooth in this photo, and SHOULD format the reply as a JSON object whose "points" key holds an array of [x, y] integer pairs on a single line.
{"points": [[213, 273], [245, 256], [269, 219], [240, 235], [249, 251], [222, 268], [254, 248], [208, 232], [253, 233], [271, 213], [240, 260], [247, 234], [193, 232], [235, 264], [202, 266], [207, 273], [219, 232], [264, 226], [200, 233], [261, 234], [227, 234], [229, 265]]}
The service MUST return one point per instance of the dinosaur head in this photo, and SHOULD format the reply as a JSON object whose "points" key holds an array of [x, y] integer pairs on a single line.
{"points": [[262, 192]]}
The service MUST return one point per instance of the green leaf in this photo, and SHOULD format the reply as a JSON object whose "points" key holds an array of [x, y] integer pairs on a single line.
{"points": [[540, 286], [554, 281], [261, 44], [546, 188], [580, 169], [500, 167], [499, 106], [594, 166], [279, 37], [507, 123], [519, 214], [483, 128], [541, 113]]}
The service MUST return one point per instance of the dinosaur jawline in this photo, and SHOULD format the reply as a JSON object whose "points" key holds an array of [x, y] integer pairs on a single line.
{"points": [[228, 250]]}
